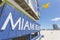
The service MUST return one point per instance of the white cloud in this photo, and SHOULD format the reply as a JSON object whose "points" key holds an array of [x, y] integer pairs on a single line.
{"points": [[55, 19]]}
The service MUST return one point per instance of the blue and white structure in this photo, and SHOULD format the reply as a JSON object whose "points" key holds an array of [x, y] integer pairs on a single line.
{"points": [[18, 20]]}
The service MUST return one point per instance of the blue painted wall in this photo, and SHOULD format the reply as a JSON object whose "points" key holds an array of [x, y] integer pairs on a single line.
{"points": [[8, 33]]}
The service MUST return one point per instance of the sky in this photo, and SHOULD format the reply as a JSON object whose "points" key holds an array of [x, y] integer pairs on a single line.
{"points": [[50, 15]]}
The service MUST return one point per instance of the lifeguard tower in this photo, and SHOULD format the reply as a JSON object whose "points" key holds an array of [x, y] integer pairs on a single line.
{"points": [[18, 20]]}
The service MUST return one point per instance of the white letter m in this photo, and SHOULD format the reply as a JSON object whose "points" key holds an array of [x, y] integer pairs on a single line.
{"points": [[12, 23]]}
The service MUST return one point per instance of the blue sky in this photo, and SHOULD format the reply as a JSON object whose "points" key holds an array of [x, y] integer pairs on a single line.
{"points": [[50, 15]]}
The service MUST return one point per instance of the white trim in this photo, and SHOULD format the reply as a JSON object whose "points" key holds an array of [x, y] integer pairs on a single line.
{"points": [[30, 4], [16, 5]]}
